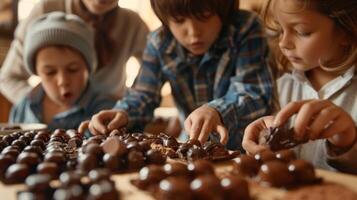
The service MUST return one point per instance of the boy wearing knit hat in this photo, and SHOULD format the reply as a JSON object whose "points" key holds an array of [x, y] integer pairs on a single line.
{"points": [[59, 48]]}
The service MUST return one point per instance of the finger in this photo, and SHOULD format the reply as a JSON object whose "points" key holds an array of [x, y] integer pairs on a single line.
{"points": [[205, 131], [289, 110], [195, 129], [118, 121], [223, 132], [83, 127], [321, 121], [250, 141], [98, 122], [306, 114], [340, 132], [92, 129], [187, 125], [252, 148]]}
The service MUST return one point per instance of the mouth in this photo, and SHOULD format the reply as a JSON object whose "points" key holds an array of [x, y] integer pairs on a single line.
{"points": [[67, 95], [197, 45], [293, 58]]}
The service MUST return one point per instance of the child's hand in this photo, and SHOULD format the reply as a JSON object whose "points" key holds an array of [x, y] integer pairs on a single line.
{"points": [[250, 141], [203, 121], [323, 119], [104, 122]]}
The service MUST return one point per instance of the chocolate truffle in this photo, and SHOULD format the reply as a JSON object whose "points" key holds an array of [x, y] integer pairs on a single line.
{"points": [[87, 162], [171, 142], [69, 178], [275, 173], [303, 171], [56, 157], [114, 147], [34, 149], [265, 156], [113, 163], [245, 165], [207, 187], [154, 156], [30, 159], [5, 162], [235, 188], [21, 144], [38, 142], [38, 183], [174, 188], [17, 173], [104, 189], [135, 159], [215, 149], [200, 167], [49, 168], [176, 169], [150, 176], [97, 175], [285, 155]]}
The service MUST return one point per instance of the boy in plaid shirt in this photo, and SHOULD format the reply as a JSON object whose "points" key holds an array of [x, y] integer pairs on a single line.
{"points": [[215, 58]]}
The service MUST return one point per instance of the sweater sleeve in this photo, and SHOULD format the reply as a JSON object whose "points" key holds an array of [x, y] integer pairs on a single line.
{"points": [[13, 76]]}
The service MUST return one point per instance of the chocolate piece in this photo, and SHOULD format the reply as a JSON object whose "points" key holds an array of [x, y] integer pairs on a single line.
{"points": [[154, 156], [235, 188], [3, 144], [26, 139], [50, 168], [34, 149], [5, 162], [176, 169], [303, 171], [285, 155], [149, 176], [12, 151], [200, 167], [171, 142], [215, 149], [183, 148], [207, 187], [87, 162], [135, 159], [174, 188], [134, 146], [265, 156], [30, 159], [245, 165], [114, 147], [94, 149], [75, 142], [279, 138], [21, 144], [97, 175], [113, 163], [195, 153], [38, 183], [8, 139], [105, 189], [38, 142], [69, 178], [55, 157], [275, 173], [17, 173]]}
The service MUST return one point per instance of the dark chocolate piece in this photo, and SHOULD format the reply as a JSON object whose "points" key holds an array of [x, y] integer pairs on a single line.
{"points": [[207, 187], [245, 165], [235, 188], [174, 188], [279, 138], [275, 173]]}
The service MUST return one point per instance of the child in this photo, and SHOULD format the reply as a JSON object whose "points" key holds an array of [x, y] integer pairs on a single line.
{"points": [[214, 57], [59, 49], [319, 39]]}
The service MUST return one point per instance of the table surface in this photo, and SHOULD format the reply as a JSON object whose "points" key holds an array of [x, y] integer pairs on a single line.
{"points": [[130, 192]]}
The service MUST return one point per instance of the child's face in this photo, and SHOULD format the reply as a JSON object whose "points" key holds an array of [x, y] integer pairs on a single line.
{"points": [[196, 35], [63, 72], [100, 7], [307, 36]]}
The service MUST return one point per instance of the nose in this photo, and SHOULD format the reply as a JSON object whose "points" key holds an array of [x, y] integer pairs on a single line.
{"points": [[285, 41], [193, 28], [62, 79]]}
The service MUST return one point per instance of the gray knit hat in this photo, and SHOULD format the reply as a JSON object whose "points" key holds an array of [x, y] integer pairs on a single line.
{"points": [[58, 28]]}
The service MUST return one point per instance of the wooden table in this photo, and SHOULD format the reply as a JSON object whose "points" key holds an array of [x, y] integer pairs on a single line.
{"points": [[130, 192]]}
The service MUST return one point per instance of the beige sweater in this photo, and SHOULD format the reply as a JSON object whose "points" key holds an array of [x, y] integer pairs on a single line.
{"points": [[129, 32]]}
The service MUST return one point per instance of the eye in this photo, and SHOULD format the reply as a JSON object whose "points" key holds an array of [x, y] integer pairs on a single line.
{"points": [[303, 33], [179, 19], [50, 73], [73, 68]]}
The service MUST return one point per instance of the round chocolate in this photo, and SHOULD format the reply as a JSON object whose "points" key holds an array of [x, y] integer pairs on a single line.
{"points": [[135, 159], [87, 162], [11, 151], [21, 144], [3, 144], [30, 159], [94, 149], [5, 162], [154, 156], [265, 156], [114, 147], [195, 153], [235, 188], [75, 142], [150, 175], [245, 165], [26, 139], [38, 142], [174, 188], [38, 182], [105, 189], [8, 139], [200, 167], [55, 157], [97, 175], [207, 187], [69, 178], [302, 170], [34, 149], [17, 173], [176, 169], [275, 173], [285, 155], [113, 163], [134, 146], [50, 168], [145, 145]]}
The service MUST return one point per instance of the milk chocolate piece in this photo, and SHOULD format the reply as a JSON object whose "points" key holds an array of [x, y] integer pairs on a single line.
{"points": [[135, 159], [285, 155], [56, 157], [113, 163], [149, 176], [87, 162], [235, 188], [303, 171], [245, 165], [154, 156], [104, 189], [200, 167], [275, 173], [69, 178], [215, 149], [174, 188], [49, 168], [97, 175], [5, 162], [17, 173], [39, 143], [176, 169], [195, 153], [34, 149], [30, 159], [171, 142], [114, 147], [279, 138], [38, 183], [21, 144], [207, 187], [265, 156]]}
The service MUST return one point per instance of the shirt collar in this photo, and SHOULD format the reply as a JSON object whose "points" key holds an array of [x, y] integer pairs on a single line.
{"points": [[332, 86]]}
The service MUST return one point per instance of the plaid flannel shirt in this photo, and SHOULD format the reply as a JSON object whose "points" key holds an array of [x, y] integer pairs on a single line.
{"points": [[232, 76]]}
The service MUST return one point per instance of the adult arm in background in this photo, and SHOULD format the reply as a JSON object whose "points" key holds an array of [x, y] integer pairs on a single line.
{"points": [[13, 76]]}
